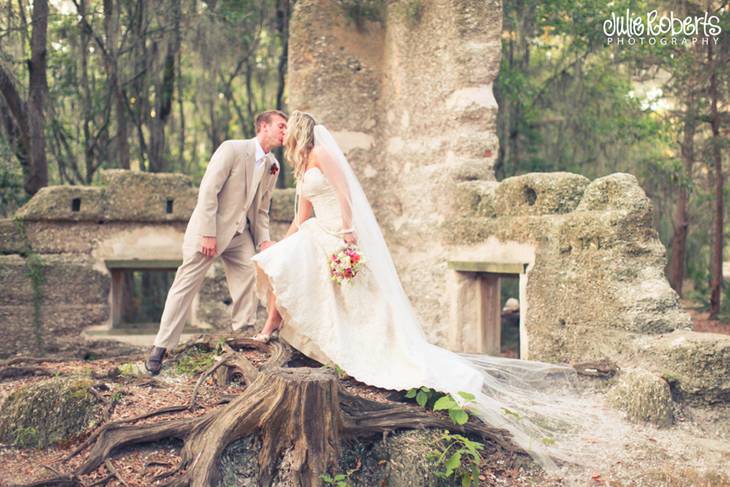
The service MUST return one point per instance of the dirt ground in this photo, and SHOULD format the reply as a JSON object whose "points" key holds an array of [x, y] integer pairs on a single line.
{"points": [[693, 452]]}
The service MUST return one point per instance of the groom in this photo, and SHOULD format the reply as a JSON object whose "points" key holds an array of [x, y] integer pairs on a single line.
{"points": [[231, 219]]}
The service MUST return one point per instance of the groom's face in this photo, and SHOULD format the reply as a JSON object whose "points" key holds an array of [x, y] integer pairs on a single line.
{"points": [[274, 131]]}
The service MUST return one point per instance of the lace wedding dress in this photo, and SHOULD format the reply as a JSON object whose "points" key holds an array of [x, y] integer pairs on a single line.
{"points": [[368, 328]]}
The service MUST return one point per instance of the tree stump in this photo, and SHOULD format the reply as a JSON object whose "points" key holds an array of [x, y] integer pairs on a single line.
{"points": [[301, 413]]}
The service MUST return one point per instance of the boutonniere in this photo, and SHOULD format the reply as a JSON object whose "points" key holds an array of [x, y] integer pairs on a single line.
{"points": [[274, 169]]}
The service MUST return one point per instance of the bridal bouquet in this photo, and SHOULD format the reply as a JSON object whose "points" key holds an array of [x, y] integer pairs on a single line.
{"points": [[345, 264]]}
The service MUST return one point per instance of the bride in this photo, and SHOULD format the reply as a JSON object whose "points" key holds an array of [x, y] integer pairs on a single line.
{"points": [[368, 328]]}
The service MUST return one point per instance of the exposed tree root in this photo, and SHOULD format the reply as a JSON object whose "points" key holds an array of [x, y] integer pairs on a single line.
{"points": [[15, 372], [301, 414]]}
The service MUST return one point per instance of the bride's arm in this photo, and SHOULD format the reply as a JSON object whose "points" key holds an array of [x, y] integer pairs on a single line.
{"points": [[333, 173], [305, 212]]}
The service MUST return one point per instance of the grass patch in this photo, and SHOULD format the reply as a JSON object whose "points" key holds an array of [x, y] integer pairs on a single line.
{"points": [[194, 361]]}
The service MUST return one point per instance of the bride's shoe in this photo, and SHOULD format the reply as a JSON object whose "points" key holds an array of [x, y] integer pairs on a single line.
{"points": [[264, 338]]}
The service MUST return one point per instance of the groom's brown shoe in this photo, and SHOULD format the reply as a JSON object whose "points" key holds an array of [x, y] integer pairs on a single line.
{"points": [[154, 362]]}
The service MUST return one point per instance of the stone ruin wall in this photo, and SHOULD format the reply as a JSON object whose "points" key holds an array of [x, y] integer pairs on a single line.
{"points": [[122, 219], [411, 103]]}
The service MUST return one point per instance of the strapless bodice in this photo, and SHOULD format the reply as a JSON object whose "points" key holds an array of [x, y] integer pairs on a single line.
{"points": [[316, 188]]}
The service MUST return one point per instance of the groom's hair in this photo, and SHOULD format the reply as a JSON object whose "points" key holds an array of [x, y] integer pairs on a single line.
{"points": [[265, 117]]}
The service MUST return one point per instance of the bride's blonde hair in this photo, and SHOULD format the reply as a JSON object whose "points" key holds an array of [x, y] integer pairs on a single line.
{"points": [[299, 140]]}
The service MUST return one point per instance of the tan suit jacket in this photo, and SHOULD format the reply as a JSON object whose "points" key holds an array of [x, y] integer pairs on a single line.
{"points": [[222, 197]]}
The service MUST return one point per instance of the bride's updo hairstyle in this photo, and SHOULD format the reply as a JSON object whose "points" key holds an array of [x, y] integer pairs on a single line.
{"points": [[299, 140]]}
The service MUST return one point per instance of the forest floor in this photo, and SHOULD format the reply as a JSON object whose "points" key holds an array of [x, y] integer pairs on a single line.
{"points": [[135, 393], [693, 452]]}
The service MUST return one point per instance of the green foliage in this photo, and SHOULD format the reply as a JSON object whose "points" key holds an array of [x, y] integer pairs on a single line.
{"points": [[12, 194], [338, 370], [570, 101], [128, 369], [339, 480], [459, 457], [439, 401]]}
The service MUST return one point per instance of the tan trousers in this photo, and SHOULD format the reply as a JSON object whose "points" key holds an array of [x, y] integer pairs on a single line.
{"points": [[240, 275]]}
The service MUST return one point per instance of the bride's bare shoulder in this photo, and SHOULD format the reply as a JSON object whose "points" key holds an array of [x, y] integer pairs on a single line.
{"points": [[316, 157]]}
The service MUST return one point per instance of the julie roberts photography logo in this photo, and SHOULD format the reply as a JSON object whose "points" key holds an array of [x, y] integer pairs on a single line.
{"points": [[652, 28]]}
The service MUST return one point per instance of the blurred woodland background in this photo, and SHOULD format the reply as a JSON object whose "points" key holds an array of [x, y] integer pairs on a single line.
{"points": [[156, 86]]}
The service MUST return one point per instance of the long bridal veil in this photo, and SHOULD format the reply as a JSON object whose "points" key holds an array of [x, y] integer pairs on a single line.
{"points": [[538, 403]]}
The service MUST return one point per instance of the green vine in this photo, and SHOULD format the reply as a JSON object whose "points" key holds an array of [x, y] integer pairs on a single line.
{"points": [[34, 270]]}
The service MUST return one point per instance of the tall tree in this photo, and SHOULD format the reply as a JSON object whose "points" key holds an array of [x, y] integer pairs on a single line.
{"points": [[716, 144], [28, 121]]}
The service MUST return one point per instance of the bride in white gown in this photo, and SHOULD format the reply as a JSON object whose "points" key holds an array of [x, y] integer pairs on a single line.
{"points": [[368, 328]]}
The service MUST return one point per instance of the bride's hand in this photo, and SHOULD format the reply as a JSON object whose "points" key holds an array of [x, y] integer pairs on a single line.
{"points": [[350, 238]]}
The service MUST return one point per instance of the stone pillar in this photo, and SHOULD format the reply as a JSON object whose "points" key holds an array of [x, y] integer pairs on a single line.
{"points": [[409, 97]]}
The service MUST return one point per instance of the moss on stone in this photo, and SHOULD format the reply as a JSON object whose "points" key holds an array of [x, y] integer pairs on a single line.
{"points": [[44, 413]]}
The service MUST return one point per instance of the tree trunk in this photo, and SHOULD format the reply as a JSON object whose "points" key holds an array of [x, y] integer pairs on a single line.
{"points": [[16, 122], [678, 244], [38, 176], [716, 281], [283, 12], [111, 27]]}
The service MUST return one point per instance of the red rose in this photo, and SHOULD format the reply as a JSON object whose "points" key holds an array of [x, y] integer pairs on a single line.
{"points": [[274, 169], [348, 272], [355, 259]]}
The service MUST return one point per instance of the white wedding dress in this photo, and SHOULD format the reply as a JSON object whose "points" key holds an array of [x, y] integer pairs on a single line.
{"points": [[368, 328], [350, 324]]}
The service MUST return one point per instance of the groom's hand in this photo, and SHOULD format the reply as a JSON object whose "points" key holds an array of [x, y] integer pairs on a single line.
{"points": [[265, 245], [208, 246]]}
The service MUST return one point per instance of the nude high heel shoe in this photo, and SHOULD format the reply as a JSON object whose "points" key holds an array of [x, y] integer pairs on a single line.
{"points": [[264, 338]]}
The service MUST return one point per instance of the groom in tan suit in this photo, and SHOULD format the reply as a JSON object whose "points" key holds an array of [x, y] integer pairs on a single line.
{"points": [[231, 219]]}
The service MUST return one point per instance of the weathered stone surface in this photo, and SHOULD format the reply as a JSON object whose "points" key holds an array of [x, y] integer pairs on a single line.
{"points": [[696, 365], [618, 191], [57, 203], [11, 237], [20, 332], [66, 280], [476, 198], [123, 196], [540, 193], [644, 396], [141, 196], [43, 413]]}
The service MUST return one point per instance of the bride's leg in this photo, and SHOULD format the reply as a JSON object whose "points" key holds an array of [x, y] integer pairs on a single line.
{"points": [[273, 320]]}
